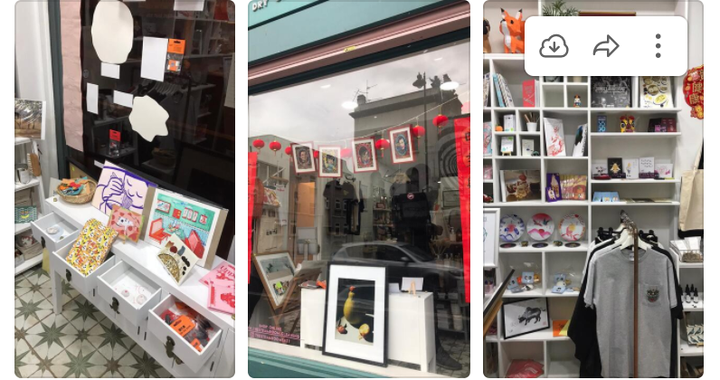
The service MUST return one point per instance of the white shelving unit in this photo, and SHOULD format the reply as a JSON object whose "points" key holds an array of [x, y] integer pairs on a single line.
{"points": [[25, 145], [556, 101]]}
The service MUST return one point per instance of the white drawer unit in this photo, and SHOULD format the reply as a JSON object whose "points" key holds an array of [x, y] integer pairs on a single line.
{"points": [[175, 344], [129, 293], [83, 284], [65, 232]]}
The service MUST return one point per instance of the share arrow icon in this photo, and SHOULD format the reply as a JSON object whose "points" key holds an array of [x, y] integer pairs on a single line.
{"points": [[609, 46]]}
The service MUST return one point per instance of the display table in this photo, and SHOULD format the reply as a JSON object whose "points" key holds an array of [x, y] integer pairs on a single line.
{"points": [[217, 358], [411, 333]]}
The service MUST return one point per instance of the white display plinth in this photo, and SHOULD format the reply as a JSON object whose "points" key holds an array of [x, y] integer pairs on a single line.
{"points": [[411, 333], [142, 257]]}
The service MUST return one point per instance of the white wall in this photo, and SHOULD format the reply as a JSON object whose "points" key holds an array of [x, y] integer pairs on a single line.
{"points": [[33, 74]]}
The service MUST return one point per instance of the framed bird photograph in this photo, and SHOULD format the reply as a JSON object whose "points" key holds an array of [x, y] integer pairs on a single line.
{"points": [[356, 313], [525, 316]]}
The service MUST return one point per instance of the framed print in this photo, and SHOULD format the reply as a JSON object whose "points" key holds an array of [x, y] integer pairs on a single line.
{"points": [[525, 316], [364, 157], [401, 145], [303, 158], [276, 271], [491, 228], [356, 313], [198, 225], [329, 162]]}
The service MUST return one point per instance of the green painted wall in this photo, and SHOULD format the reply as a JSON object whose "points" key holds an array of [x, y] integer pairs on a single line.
{"points": [[264, 364], [321, 20]]}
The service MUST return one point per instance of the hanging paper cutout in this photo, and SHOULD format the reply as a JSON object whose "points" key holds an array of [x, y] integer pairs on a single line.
{"points": [[112, 31], [148, 118], [694, 90]]}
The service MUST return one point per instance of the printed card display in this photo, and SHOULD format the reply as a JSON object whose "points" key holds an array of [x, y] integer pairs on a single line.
{"points": [[177, 259], [611, 92], [121, 187], [646, 167], [554, 137], [507, 144], [656, 92], [664, 170], [509, 123], [631, 168], [223, 272], [221, 296], [194, 223], [126, 223], [528, 147], [520, 185], [615, 167], [91, 247]]}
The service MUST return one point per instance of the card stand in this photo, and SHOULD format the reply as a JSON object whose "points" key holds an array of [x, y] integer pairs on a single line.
{"points": [[175, 344], [85, 285], [124, 275], [66, 231]]}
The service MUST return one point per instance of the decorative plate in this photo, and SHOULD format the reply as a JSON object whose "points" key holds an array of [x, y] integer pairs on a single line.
{"points": [[511, 228], [572, 227], [540, 227]]}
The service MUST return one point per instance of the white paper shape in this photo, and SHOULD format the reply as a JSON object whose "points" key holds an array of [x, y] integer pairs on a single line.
{"points": [[123, 98], [394, 287], [110, 70], [154, 53], [112, 31], [148, 118], [189, 5], [92, 98]]}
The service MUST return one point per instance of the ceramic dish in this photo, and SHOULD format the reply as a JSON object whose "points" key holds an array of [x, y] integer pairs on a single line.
{"points": [[572, 227], [540, 227], [512, 228]]}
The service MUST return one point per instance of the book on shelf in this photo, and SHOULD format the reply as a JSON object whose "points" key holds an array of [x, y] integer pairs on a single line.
{"points": [[656, 92], [531, 91], [611, 92], [554, 137], [581, 141], [498, 91], [520, 185], [506, 92], [487, 138], [486, 90]]}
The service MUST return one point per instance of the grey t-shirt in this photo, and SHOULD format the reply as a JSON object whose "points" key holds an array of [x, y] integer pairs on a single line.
{"points": [[610, 291]]}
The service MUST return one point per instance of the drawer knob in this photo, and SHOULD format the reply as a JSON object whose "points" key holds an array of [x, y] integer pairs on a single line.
{"points": [[68, 275], [114, 305], [169, 346], [42, 241]]}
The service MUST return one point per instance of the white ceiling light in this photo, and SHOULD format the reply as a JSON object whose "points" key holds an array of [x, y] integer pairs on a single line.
{"points": [[438, 59], [350, 105], [325, 86], [448, 84]]}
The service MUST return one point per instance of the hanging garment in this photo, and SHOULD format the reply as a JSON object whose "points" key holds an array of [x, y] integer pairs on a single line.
{"points": [[583, 325]]}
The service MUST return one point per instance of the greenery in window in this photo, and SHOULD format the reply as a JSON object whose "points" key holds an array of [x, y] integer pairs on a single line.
{"points": [[558, 8]]}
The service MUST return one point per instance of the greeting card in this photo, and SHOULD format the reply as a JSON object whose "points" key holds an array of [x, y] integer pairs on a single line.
{"points": [[221, 296], [126, 223], [223, 272], [91, 247], [177, 258]]}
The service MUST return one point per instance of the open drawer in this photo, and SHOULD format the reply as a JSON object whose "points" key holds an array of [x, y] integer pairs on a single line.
{"points": [[129, 293], [63, 231], [83, 284], [175, 344]]}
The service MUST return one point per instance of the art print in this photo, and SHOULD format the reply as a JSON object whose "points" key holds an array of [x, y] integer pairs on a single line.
{"points": [[401, 145], [491, 226], [126, 223], [330, 164], [303, 158], [276, 271], [118, 186], [177, 259], [356, 313], [192, 222], [525, 316], [30, 118], [364, 155], [554, 137]]}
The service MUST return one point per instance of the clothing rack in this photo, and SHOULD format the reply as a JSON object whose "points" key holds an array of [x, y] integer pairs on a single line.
{"points": [[630, 224]]}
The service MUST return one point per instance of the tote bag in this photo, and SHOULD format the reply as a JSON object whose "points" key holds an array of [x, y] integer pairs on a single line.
{"points": [[691, 197]]}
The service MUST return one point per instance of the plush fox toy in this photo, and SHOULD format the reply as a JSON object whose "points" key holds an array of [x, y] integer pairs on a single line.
{"points": [[514, 31]]}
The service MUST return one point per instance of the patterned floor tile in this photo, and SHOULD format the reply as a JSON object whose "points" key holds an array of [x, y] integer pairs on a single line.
{"points": [[51, 336]]}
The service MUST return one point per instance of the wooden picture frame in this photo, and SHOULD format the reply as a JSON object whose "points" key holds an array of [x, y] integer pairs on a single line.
{"points": [[401, 145], [367, 287], [363, 154], [303, 157], [326, 155], [532, 314], [275, 282]]}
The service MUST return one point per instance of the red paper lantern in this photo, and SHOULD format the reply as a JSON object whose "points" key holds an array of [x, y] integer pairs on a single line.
{"points": [[346, 153], [316, 154], [275, 146], [288, 151], [440, 121], [259, 144], [382, 144], [418, 131]]}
